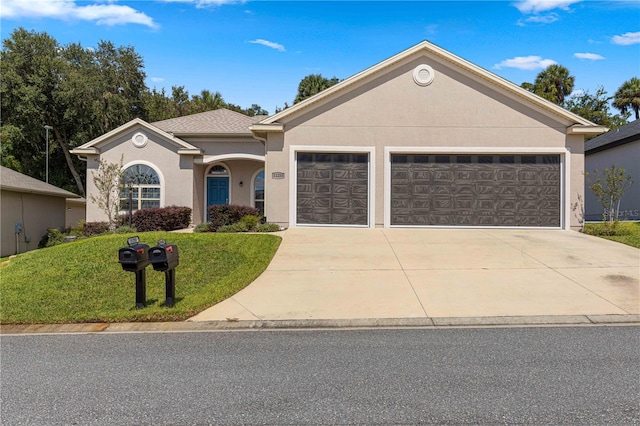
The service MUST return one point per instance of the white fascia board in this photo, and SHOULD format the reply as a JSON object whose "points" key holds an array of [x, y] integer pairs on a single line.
{"points": [[85, 151], [578, 129], [267, 128]]}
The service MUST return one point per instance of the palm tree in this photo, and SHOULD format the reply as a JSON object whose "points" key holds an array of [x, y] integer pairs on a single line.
{"points": [[628, 97], [554, 83]]}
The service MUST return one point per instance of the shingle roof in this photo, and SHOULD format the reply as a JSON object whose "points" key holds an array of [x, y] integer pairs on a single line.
{"points": [[217, 121], [619, 136], [11, 180]]}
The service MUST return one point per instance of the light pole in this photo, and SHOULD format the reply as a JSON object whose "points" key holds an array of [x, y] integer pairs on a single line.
{"points": [[46, 172]]}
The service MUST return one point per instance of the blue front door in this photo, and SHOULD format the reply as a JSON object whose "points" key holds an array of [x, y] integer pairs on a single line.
{"points": [[217, 191]]}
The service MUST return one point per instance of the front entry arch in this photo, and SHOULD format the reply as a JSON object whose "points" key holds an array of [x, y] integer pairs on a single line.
{"points": [[217, 187]]}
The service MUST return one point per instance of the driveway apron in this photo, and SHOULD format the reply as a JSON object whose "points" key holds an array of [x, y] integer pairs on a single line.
{"points": [[347, 273]]}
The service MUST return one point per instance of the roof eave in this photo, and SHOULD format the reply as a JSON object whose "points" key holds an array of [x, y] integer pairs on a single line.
{"points": [[580, 129], [85, 151], [65, 194], [267, 128]]}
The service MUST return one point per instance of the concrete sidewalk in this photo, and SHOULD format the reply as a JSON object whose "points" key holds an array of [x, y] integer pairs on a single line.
{"points": [[439, 276]]}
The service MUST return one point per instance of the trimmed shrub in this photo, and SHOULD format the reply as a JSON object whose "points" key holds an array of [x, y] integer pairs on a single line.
{"points": [[203, 227], [125, 230], [161, 219], [267, 227], [95, 228], [53, 237], [228, 214]]}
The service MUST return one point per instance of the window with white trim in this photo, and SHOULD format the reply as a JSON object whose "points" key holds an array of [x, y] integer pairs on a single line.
{"points": [[141, 184]]}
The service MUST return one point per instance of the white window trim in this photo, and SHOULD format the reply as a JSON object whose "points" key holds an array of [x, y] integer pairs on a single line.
{"points": [[157, 170], [293, 167], [565, 178]]}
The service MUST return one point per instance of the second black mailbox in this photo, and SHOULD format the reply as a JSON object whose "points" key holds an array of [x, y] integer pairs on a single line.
{"points": [[163, 257]]}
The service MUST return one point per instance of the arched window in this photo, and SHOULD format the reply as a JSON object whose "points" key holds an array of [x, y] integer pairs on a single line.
{"points": [[218, 170], [141, 183], [258, 192]]}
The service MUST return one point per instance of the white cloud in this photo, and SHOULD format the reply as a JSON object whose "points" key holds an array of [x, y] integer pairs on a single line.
{"points": [[525, 63], [589, 56], [157, 79], [537, 6], [100, 13], [540, 19], [207, 3], [626, 39], [267, 43]]}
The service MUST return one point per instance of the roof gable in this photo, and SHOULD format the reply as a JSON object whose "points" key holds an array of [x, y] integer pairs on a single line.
{"points": [[578, 124], [11, 180], [91, 147]]}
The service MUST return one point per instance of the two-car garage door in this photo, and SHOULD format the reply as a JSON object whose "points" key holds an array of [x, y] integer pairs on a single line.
{"points": [[475, 190], [432, 190]]}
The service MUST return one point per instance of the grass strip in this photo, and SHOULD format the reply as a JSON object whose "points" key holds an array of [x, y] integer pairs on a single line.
{"points": [[623, 232], [83, 281]]}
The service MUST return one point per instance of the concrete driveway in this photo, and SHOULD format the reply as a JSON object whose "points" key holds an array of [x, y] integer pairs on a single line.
{"points": [[350, 274]]}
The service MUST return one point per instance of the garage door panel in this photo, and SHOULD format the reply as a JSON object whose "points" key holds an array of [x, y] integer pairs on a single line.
{"points": [[332, 188], [480, 190]]}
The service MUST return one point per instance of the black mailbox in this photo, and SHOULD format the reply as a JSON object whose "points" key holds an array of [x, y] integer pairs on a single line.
{"points": [[134, 258], [163, 257]]}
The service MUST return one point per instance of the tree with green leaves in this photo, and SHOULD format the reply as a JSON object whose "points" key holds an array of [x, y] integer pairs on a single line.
{"points": [[312, 85], [627, 98], [608, 188], [81, 92], [553, 84], [595, 108]]}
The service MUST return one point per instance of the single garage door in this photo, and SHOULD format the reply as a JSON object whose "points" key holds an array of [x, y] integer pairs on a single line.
{"points": [[475, 190], [332, 189]]}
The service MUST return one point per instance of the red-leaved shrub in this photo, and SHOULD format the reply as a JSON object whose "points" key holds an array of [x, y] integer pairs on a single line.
{"points": [[161, 219]]}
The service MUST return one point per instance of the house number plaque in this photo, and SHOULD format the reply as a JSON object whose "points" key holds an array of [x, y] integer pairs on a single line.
{"points": [[277, 175]]}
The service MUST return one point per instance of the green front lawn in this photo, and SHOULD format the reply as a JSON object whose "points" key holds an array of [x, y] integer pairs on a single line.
{"points": [[623, 232], [83, 281]]}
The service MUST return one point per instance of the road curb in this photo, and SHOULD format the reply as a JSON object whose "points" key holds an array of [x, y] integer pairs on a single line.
{"points": [[441, 322]]}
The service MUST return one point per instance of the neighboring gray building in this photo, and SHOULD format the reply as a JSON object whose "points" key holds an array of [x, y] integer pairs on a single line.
{"points": [[622, 148], [31, 207]]}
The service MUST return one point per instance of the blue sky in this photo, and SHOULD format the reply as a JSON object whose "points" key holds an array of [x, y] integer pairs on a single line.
{"points": [[258, 51]]}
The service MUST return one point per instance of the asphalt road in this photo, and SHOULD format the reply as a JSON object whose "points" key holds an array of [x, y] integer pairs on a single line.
{"points": [[578, 375]]}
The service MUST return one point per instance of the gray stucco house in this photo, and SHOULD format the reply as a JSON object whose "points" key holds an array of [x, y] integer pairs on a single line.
{"points": [[424, 138], [30, 206], [622, 148]]}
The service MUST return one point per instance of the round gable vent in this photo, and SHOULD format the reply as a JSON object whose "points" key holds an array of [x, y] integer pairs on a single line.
{"points": [[139, 140], [423, 75]]}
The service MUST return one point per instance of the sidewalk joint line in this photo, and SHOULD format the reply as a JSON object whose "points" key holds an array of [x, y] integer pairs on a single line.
{"points": [[405, 274]]}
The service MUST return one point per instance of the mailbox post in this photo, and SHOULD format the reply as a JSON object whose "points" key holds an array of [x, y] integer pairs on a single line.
{"points": [[164, 257], [135, 258]]}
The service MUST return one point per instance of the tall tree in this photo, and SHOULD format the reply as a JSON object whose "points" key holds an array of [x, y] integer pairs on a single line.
{"points": [[206, 101], [82, 93], [312, 85], [553, 84], [595, 108], [627, 98]]}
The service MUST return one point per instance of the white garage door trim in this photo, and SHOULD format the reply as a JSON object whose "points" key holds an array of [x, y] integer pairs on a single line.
{"points": [[565, 173], [293, 168]]}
